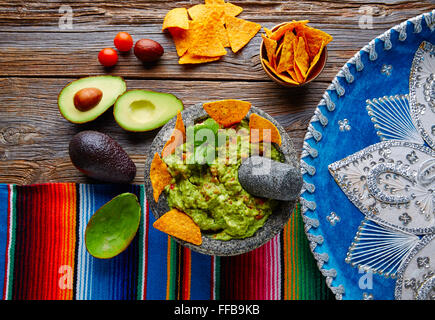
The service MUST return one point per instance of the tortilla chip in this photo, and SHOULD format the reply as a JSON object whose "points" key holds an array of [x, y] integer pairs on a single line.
{"points": [[232, 9], [270, 46], [292, 74], [298, 74], [240, 32], [181, 40], [176, 18], [286, 60], [269, 66], [198, 11], [282, 76], [316, 59], [223, 35], [179, 225], [178, 137], [280, 32], [316, 40], [273, 61], [278, 52], [302, 60], [202, 11], [204, 37], [189, 58], [300, 32], [258, 124], [275, 57], [159, 176], [268, 32], [227, 112]]}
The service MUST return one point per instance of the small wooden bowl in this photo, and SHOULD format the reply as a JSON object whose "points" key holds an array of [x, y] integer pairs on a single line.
{"points": [[318, 68]]}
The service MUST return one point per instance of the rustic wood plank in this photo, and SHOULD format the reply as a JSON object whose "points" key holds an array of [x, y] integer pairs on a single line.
{"points": [[34, 137], [35, 46], [94, 14], [23, 172], [75, 55]]}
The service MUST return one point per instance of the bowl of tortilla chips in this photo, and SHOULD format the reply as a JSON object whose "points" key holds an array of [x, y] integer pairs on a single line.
{"points": [[190, 202], [293, 54]]}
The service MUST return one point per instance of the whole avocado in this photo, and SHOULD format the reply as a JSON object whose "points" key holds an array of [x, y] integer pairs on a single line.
{"points": [[100, 157]]}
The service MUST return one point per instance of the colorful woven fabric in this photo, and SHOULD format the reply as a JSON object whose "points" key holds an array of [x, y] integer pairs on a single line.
{"points": [[43, 256]]}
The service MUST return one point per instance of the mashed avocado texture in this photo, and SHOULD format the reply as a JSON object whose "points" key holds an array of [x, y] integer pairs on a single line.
{"points": [[205, 181]]}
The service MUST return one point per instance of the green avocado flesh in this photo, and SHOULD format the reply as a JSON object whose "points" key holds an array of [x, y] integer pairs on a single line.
{"points": [[111, 86], [206, 187], [143, 110], [112, 228]]}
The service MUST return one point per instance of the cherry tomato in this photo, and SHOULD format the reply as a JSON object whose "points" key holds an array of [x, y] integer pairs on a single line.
{"points": [[108, 57], [123, 41]]}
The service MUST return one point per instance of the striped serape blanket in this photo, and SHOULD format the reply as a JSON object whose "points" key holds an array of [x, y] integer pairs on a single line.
{"points": [[43, 256]]}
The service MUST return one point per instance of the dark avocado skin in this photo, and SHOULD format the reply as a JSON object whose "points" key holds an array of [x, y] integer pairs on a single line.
{"points": [[100, 157]]}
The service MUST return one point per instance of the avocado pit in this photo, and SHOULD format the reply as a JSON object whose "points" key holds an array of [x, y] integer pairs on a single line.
{"points": [[87, 98]]}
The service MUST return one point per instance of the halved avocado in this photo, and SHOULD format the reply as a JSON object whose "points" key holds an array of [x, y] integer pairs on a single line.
{"points": [[143, 110], [112, 228], [111, 87]]}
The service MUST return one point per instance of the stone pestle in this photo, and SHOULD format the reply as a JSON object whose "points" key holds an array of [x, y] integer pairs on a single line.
{"points": [[266, 178]]}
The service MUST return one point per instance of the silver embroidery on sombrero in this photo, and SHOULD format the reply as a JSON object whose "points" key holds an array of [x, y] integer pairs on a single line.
{"points": [[416, 276], [327, 106], [422, 92], [393, 183]]}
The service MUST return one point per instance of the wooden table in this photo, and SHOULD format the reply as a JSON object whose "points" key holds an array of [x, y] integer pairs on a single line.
{"points": [[37, 58]]}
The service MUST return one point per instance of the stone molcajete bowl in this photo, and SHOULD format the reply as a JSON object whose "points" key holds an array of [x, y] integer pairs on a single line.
{"points": [[273, 224]]}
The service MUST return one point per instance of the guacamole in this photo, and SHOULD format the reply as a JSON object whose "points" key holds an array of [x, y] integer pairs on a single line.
{"points": [[205, 181]]}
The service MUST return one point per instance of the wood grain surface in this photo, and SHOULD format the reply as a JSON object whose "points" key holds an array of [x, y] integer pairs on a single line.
{"points": [[37, 58]]}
